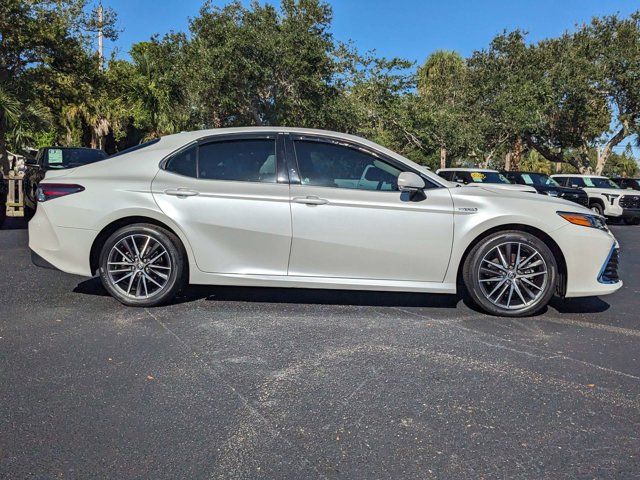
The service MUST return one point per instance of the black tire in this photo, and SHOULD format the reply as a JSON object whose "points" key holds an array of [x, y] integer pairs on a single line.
{"points": [[177, 262], [597, 208], [475, 258], [632, 221]]}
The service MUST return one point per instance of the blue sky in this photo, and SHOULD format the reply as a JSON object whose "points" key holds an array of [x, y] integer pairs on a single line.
{"points": [[404, 28]]}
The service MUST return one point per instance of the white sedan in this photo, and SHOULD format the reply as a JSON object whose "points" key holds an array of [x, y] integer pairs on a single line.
{"points": [[285, 207]]}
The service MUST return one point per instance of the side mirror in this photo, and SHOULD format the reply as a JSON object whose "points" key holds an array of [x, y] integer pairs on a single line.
{"points": [[410, 182]]}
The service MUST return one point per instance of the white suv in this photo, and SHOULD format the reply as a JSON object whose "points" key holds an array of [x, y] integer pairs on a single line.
{"points": [[605, 196]]}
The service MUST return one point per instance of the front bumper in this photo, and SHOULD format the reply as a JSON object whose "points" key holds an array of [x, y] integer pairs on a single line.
{"points": [[38, 261], [631, 212], [587, 252]]}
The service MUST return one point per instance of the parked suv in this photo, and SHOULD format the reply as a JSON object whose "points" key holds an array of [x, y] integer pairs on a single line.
{"points": [[605, 196], [546, 185], [627, 183], [480, 176], [53, 158]]}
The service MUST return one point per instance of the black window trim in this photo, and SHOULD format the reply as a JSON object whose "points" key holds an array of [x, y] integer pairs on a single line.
{"points": [[294, 169], [277, 137]]}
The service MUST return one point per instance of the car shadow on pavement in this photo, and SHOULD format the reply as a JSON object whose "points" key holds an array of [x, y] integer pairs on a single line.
{"points": [[192, 293], [579, 305]]}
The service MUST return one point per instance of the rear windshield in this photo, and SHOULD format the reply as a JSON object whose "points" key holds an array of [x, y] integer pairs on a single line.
{"points": [[59, 158], [136, 147]]}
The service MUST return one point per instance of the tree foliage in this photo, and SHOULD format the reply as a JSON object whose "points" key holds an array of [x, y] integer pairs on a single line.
{"points": [[571, 100]]}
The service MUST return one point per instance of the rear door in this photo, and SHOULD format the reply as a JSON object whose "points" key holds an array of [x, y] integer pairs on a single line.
{"points": [[351, 221], [230, 198]]}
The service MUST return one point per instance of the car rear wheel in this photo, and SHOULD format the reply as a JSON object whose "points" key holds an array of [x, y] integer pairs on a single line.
{"points": [[510, 274], [142, 265]]}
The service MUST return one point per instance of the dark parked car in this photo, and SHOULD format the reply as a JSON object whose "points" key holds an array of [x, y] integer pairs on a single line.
{"points": [[53, 158], [627, 183], [546, 185]]}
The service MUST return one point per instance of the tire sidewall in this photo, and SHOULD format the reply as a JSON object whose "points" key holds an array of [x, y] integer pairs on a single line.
{"points": [[172, 246], [597, 208], [474, 260]]}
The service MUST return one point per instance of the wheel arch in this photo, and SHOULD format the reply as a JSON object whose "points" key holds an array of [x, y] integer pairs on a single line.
{"points": [[597, 200], [549, 242], [107, 230]]}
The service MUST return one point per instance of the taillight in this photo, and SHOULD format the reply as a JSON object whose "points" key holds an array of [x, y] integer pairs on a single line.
{"points": [[48, 191]]}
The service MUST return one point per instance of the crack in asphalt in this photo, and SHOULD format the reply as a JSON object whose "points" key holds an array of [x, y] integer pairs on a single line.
{"points": [[252, 410], [549, 354]]}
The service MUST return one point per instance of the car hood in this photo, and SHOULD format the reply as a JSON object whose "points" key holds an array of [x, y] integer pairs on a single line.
{"points": [[502, 195], [503, 186]]}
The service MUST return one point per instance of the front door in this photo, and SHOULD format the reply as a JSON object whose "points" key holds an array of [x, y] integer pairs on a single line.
{"points": [[351, 221], [227, 197]]}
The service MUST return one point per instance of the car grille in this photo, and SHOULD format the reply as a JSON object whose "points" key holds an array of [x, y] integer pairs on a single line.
{"points": [[610, 271], [577, 198], [630, 201]]}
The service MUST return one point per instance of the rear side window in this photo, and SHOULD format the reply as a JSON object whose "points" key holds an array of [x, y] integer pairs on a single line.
{"points": [[238, 160]]}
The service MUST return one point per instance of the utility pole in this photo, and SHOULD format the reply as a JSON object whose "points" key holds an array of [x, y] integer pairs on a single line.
{"points": [[100, 37]]}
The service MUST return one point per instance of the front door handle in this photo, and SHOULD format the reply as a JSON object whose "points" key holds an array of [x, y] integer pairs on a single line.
{"points": [[181, 192], [310, 200]]}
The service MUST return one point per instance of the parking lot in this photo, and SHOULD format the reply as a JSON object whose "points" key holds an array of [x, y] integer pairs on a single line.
{"points": [[271, 383]]}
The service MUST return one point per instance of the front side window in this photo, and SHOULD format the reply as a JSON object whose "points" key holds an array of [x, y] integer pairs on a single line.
{"points": [[539, 179], [482, 177], [338, 166], [238, 160], [596, 182]]}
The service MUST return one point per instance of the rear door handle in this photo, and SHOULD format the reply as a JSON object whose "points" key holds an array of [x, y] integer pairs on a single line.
{"points": [[310, 200], [181, 192]]}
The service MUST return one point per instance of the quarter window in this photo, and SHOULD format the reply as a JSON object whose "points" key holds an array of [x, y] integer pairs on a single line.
{"points": [[330, 165], [184, 162], [238, 160]]}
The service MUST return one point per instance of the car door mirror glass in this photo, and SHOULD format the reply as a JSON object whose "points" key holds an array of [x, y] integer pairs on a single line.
{"points": [[410, 182]]}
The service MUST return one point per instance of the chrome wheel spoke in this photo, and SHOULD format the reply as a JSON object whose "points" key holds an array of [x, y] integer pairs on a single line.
{"points": [[513, 275], [129, 271]]}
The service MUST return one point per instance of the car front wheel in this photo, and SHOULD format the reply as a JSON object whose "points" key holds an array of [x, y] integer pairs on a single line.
{"points": [[142, 265], [510, 274]]}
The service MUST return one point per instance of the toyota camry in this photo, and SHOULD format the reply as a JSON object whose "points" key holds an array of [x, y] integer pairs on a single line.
{"points": [[287, 207]]}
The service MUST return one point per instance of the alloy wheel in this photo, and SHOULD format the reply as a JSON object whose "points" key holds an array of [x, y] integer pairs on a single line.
{"points": [[513, 275], [139, 266]]}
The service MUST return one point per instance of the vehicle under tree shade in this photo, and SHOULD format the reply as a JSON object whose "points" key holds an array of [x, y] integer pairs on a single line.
{"points": [[546, 185]]}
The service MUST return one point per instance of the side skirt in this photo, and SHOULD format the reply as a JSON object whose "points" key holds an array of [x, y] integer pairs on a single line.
{"points": [[201, 278]]}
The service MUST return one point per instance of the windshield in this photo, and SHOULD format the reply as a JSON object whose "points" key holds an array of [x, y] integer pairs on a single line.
{"points": [[488, 177], [539, 179], [59, 158], [596, 182]]}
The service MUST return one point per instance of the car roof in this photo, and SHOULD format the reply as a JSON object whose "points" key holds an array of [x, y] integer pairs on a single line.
{"points": [[527, 172]]}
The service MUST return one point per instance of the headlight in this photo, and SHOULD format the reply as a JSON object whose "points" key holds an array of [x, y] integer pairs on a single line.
{"points": [[552, 193], [585, 220]]}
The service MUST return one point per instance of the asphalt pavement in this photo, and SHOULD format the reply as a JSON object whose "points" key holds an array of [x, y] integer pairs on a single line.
{"points": [[273, 383]]}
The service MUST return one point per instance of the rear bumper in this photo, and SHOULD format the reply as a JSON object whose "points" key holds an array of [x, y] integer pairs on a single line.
{"points": [[38, 261], [63, 248]]}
